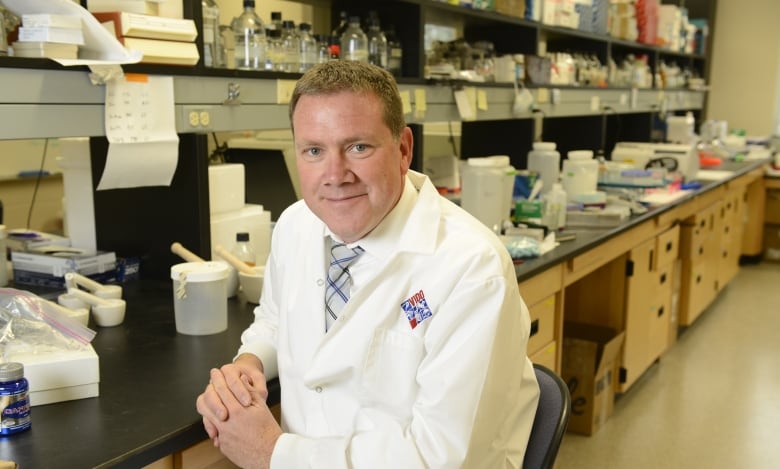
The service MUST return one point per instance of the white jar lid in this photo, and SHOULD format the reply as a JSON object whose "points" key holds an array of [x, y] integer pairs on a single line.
{"points": [[200, 271], [580, 155], [544, 145], [496, 161]]}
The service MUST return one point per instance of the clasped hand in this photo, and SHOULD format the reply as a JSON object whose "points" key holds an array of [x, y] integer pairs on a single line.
{"points": [[235, 414]]}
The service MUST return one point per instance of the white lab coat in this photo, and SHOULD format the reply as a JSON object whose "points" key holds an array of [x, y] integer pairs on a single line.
{"points": [[457, 390]]}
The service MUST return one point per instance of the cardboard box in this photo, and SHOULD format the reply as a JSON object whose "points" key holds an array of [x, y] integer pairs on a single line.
{"points": [[588, 366], [60, 376], [48, 267], [514, 8]]}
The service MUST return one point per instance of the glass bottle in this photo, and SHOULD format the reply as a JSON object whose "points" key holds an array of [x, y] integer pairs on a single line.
{"points": [[309, 47], [342, 26], [243, 249], [377, 45], [212, 39], [394, 52], [274, 57], [250, 38], [323, 51], [276, 21], [354, 43], [291, 45]]}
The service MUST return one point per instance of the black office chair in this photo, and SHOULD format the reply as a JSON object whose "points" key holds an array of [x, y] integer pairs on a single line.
{"points": [[552, 416]]}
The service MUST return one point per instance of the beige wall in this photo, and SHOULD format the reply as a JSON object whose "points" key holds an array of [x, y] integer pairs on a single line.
{"points": [[745, 73]]}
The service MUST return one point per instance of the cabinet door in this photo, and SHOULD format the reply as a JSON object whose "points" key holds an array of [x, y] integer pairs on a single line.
{"points": [[732, 217], [641, 308], [659, 329]]}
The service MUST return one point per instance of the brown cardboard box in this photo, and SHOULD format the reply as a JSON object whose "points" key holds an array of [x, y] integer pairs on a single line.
{"points": [[589, 368], [514, 8]]}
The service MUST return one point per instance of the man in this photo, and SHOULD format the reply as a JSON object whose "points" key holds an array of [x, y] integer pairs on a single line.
{"points": [[425, 365]]}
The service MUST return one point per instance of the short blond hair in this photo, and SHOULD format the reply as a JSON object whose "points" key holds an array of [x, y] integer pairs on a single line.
{"points": [[359, 77]]}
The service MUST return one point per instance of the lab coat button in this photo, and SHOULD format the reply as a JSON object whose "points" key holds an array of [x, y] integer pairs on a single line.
{"points": [[320, 282], [318, 389]]}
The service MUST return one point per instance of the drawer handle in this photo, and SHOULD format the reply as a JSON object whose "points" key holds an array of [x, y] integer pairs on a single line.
{"points": [[669, 246], [534, 327], [660, 311], [698, 278], [663, 278], [725, 254], [701, 250]]}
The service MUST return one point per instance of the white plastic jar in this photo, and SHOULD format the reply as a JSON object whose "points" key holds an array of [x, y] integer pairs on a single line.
{"points": [[486, 192], [546, 161], [199, 299], [580, 173]]}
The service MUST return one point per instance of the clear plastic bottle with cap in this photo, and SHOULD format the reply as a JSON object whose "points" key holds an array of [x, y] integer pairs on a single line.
{"points": [[291, 43], [545, 160], [555, 203], [309, 47], [354, 42], [377, 43], [249, 35], [243, 249], [212, 39]]}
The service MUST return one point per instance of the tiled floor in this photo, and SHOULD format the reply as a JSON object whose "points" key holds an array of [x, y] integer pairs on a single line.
{"points": [[713, 401]]}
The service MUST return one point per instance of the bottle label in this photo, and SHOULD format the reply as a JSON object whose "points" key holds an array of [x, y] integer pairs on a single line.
{"points": [[16, 412]]}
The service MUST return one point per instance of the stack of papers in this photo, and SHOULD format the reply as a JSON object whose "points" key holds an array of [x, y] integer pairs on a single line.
{"points": [[49, 36]]}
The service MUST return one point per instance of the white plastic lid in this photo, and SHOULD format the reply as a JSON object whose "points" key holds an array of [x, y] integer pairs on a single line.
{"points": [[544, 146], [200, 271], [496, 161], [580, 155]]}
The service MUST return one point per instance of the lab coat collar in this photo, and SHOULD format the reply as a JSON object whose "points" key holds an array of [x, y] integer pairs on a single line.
{"points": [[400, 230]]}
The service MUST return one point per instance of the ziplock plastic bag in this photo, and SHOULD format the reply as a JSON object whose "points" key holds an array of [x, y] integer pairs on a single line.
{"points": [[31, 324], [522, 247]]}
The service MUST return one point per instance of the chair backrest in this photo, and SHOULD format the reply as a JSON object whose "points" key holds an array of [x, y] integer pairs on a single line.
{"points": [[552, 416]]}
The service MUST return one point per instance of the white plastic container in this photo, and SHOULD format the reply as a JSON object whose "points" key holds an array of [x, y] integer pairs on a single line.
{"points": [[546, 161], [555, 203], [580, 173], [199, 297], [227, 187], [486, 192]]}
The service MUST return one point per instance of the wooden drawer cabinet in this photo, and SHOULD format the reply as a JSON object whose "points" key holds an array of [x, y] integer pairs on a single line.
{"points": [[542, 324], [667, 247], [546, 356]]}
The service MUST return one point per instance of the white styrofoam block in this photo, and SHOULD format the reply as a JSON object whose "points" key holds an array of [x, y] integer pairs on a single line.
{"points": [[227, 187], [60, 376]]}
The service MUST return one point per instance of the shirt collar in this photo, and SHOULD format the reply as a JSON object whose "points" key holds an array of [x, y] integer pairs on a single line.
{"points": [[382, 240]]}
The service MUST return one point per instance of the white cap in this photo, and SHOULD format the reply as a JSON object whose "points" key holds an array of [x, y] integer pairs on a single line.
{"points": [[544, 145], [580, 155], [497, 161]]}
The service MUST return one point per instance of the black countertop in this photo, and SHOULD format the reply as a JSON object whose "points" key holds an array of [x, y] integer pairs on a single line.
{"points": [[587, 239], [150, 375]]}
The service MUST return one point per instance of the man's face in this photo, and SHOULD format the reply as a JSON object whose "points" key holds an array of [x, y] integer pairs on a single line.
{"points": [[351, 168]]}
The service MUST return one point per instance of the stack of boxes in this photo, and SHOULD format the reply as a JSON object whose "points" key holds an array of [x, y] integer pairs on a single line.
{"points": [[162, 40], [647, 21], [50, 36]]}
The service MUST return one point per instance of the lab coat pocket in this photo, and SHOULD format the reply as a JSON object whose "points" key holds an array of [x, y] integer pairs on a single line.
{"points": [[390, 371]]}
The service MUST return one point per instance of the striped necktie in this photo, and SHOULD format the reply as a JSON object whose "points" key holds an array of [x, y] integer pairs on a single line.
{"points": [[339, 280]]}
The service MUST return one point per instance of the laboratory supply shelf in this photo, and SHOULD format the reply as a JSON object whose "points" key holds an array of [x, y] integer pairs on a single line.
{"points": [[36, 103]]}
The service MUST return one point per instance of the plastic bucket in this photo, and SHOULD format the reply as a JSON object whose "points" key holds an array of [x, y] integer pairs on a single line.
{"points": [[199, 297]]}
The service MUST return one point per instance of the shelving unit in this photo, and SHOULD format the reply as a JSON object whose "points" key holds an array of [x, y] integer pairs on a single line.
{"points": [[40, 99]]}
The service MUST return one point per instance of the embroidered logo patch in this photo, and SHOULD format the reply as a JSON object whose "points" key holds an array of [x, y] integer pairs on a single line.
{"points": [[416, 309]]}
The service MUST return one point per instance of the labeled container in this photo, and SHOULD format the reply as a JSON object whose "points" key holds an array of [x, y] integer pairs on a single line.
{"points": [[545, 160], [580, 173], [15, 399], [486, 189], [199, 297]]}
